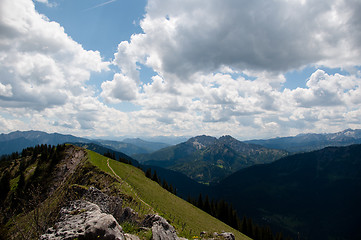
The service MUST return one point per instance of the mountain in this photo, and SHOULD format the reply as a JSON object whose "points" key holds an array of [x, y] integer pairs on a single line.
{"points": [[207, 159], [170, 140], [127, 148], [69, 192], [312, 141], [15, 145], [149, 146], [314, 195], [16, 141]]}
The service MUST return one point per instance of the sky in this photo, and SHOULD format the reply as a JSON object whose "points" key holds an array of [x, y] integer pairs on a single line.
{"points": [[113, 68]]}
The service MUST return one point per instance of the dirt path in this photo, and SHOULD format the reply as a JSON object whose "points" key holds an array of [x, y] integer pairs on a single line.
{"points": [[122, 181]]}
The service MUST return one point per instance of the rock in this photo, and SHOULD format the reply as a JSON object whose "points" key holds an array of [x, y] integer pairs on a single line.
{"points": [[131, 237], [128, 215], [227, 235], [161, 229], [84, 220], [149, 220], [203, 233], [107, 204]]}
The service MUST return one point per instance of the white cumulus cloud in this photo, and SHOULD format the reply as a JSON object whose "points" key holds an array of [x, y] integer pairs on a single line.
{"points": [[40, 62]]}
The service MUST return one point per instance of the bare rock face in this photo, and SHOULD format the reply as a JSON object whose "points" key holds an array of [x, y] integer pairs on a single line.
{"points": [[107, 204], [84, 220], [161, 229], [227, 235]]}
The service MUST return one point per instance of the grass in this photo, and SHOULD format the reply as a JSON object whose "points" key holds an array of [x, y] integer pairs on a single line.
{"points": [[188, 220]]}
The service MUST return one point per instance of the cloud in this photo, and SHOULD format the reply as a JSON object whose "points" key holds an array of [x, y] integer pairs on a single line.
{"points": [[121, 88], [5, 90], [222, 65], [220, 69], [46, 2], [183, 38], [41, 66], [326, 90]]}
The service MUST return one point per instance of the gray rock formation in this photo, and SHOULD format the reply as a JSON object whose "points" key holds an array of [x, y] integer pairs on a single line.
{"points": [[161, 229], [225, 235], [111, 205], [128, 215], [131, 237], [228, 236], [84, 220]]}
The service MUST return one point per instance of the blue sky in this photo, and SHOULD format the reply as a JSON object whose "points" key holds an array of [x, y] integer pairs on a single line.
{"points": [[113, 68]]}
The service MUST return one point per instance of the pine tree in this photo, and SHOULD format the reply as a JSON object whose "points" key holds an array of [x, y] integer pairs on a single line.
{"points": [[250, 228], [148, 173], [244, 227], [200, 202], [207, 205], [165, 185], [156, 178], [172, 190]]}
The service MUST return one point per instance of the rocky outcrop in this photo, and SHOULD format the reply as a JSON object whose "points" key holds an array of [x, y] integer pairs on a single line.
{"points": [[128, 215], [93, 217], [227, 235], [84, 220], [161, 229], [107, 204]]}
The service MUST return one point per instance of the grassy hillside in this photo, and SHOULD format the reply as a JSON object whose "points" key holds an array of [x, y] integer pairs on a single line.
{"points": [[38, 182], [187, 219]]}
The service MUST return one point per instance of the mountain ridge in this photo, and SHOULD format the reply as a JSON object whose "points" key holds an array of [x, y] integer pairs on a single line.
{"points": [[207, 159], [311, 141], [16, 141], [71, 173]]}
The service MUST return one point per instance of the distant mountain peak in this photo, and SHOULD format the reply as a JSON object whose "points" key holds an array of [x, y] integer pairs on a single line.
{"points": [[202, 141], [228, 138]]}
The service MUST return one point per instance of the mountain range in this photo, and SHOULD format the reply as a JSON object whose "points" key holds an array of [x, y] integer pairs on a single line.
{"points": [[207, 159], [311, 141], [18, 140]]}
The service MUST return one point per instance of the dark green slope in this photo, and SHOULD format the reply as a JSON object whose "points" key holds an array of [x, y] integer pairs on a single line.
{"points": [[185, 187], [315, 194]]}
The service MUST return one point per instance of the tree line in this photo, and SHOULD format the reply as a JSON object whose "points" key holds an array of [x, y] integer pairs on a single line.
{"points": [[153, 176], [111, 155], [226, 213], [46, 155]]}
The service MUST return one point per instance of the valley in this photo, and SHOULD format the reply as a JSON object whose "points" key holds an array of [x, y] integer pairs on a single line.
{"points": [[311, 195]]}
